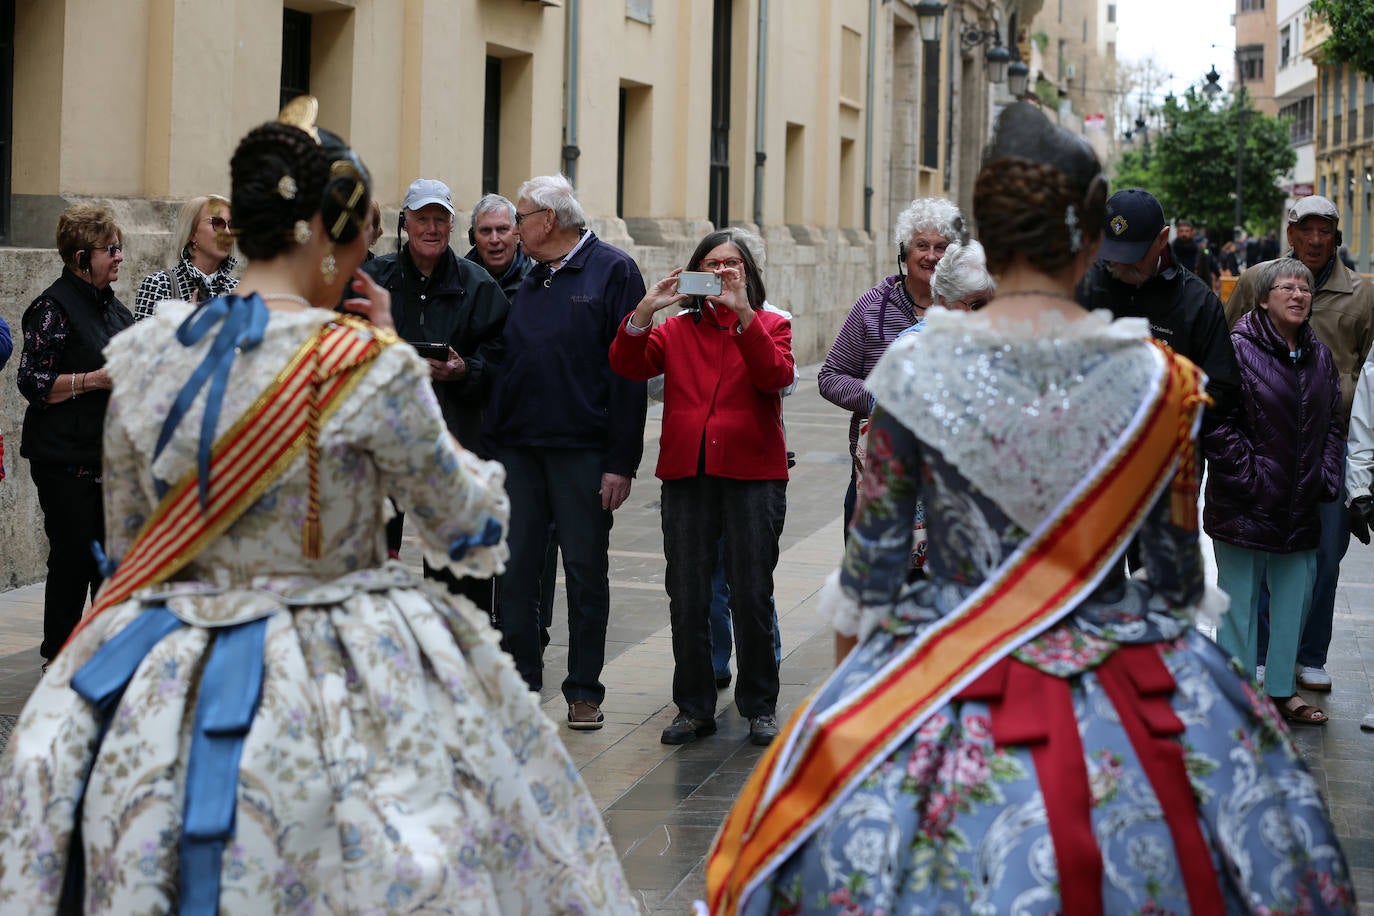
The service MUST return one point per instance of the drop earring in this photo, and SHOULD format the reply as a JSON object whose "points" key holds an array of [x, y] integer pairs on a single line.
{"points": [[329, 267]]}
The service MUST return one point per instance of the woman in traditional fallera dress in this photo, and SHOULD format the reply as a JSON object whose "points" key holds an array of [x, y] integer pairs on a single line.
{"points": [[1026, 731], [261, 715]]}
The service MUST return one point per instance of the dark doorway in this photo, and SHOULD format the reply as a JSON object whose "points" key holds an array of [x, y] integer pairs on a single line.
{"points": [[6, 112], [491, 128], [720, 114], [295, 54]]}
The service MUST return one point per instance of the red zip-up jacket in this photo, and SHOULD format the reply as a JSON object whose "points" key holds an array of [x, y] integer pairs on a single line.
{"points": [[722, 411]]}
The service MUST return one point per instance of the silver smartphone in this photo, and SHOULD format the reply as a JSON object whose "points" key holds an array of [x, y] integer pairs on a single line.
{"points": [[698, 283]]}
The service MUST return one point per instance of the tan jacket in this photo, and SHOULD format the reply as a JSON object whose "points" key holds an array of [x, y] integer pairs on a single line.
{"points": [[1342, 318]]}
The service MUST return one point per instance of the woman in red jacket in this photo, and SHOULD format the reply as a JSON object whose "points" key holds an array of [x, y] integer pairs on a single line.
{"points": [[723, 463]]}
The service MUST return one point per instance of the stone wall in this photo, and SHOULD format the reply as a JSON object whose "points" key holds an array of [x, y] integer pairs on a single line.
{"points": [[814, 273]]}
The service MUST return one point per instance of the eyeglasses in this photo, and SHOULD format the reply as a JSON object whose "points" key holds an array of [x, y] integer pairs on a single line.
{"points": [[521, 217], [1292, 290], [110, 250], [975, 304], [219, 223], [727, 263]]}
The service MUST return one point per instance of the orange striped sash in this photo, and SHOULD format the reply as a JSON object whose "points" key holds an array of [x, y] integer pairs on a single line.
{"points": [[248, 457], [820, 755]]}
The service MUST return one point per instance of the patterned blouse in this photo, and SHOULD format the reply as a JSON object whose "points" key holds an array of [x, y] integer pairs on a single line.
{"points": [[157, 286]]}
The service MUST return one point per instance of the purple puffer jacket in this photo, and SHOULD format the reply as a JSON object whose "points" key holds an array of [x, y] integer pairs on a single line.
{"points": [[1281, 451]]}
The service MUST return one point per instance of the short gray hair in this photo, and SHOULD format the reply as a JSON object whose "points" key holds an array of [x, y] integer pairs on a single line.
{"points": [[555, 192], [493, 203], [962, 272], [1271, 272], [930, 214]]}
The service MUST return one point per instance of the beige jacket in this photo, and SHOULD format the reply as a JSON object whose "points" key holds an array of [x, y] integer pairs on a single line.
{"points": [[1342, 318]]}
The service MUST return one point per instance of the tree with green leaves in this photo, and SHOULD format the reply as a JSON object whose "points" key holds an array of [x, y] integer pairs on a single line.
{"points": [[1352, 25], [1190, 163]]}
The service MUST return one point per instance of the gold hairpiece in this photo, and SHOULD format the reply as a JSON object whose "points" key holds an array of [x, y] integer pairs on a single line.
{"points": [[302, 112]]}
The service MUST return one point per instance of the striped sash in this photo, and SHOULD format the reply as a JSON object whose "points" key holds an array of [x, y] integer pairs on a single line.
{"points": [[821, 755], [248, 457]]}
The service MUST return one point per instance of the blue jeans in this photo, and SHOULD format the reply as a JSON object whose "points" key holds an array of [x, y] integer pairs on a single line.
{"points": [[722, 638], [1316, 632]]}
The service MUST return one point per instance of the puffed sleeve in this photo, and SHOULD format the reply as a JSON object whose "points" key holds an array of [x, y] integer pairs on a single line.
{"points": [[456, 500], [863, 590]]}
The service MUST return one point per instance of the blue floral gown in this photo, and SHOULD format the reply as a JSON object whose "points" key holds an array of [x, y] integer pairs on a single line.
{"points": [[989, 424]]}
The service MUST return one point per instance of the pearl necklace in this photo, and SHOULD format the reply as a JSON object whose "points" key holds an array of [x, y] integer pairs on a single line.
{"points": [[287, 297]]}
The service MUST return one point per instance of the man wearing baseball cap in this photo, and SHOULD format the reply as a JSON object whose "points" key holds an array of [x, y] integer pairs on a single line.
{"points": [[439, 298], [1135, 276], [1343, 319]]}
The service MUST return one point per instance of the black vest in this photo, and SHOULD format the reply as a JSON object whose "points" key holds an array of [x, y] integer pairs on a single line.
{"points": [[70, 432]]}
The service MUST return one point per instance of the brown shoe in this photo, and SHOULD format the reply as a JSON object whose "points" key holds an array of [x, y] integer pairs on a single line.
{"points": [[584, 715]]}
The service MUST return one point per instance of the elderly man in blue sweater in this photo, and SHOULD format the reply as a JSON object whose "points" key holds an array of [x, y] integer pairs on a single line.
{"points": [[569, 431]]}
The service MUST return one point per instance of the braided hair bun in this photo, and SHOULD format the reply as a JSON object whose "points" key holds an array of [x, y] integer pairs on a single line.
{"points": [[1040, 193], [280, 175]]}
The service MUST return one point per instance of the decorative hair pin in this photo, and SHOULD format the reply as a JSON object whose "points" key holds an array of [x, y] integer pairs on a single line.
{"points": [[1075, 234], [301, 232], [286, 187], [301, 113]]}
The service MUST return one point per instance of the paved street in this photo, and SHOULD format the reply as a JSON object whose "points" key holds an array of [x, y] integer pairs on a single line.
{"points": [[663, 804]]}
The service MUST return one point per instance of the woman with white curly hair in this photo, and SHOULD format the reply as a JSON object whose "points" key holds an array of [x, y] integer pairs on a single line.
{"points": [[961, 281], [923, 231]]}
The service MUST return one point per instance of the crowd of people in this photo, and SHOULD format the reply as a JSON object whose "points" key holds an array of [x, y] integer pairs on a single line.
{"points": [[264, 708]]}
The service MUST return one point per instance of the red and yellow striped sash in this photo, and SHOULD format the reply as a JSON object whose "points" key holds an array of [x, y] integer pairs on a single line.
{"points": [[808, 769], [248, 457]]}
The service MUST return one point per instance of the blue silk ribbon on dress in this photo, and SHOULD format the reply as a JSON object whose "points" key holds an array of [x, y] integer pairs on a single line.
{"points": [[242, 323], [487, 537], [230, 690]]}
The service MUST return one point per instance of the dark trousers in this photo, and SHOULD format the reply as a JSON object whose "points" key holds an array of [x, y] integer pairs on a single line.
{"points": [[749, 514], [851, 502], [562, 486], [73, 519], [478, 591]]}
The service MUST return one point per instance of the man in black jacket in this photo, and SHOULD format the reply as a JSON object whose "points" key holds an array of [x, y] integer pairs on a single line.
{"points": [[1135, 276], [496, 245], [441, 299]]}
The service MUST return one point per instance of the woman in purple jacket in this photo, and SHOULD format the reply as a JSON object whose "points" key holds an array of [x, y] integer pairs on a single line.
{"points": [[1270, 464]]}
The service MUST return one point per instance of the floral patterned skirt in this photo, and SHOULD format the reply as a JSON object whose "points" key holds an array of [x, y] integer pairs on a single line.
{"points": [[395, 763], [1079, 775]]}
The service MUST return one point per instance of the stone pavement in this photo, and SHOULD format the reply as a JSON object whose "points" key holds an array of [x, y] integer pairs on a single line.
{"points": [[663, 804]]}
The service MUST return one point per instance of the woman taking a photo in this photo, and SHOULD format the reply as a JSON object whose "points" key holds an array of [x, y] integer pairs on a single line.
{"points": [[62, 375], [1270, 464], [202, 265], [723, 463]]}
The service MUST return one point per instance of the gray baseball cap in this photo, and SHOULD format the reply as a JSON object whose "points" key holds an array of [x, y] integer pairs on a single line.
{"points": [[1316, 205], [426, 191]]}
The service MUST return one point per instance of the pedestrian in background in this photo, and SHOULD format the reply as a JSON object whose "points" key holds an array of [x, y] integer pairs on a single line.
{"points": [[202, 260], [495, 244], [62, 376], [1271, 464], [569, 431], [1342, 317], [923, 231], [723, 463]]}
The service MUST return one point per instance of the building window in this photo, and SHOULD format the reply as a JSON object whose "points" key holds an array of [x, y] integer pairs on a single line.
{"points": [[6, 112], [491, 127], [1285, 47], [634, 151], [1251, 6], [295, 55], [1300, 127], [719, 198], [794, 175], [1111, 12], [640, 11], [1250, 61], [930, 104], [851, 65]]}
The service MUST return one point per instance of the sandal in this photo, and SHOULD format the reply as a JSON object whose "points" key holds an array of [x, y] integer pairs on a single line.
{"points": [[1302, 714]]}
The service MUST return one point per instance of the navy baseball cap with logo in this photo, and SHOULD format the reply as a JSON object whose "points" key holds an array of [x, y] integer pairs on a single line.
{"points": [[1134, 220]]}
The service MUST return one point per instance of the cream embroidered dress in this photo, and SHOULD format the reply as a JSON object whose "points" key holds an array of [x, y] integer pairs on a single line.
{"points": [[395, 761]]}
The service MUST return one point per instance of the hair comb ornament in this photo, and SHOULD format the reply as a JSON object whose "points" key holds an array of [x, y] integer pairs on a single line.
{"points": [[301, 113], [286, 187]]}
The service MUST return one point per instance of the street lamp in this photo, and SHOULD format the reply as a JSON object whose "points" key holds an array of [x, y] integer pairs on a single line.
{"points": [[930, 15], [998, 58], [1018, 75]]}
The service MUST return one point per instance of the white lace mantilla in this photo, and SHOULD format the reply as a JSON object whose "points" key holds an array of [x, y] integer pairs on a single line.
{"points": [[1024, 409]]}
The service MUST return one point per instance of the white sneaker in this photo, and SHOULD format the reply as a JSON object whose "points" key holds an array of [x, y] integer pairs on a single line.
{"points": [[1259, 675], [1314, 679], [1367, 723]]}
